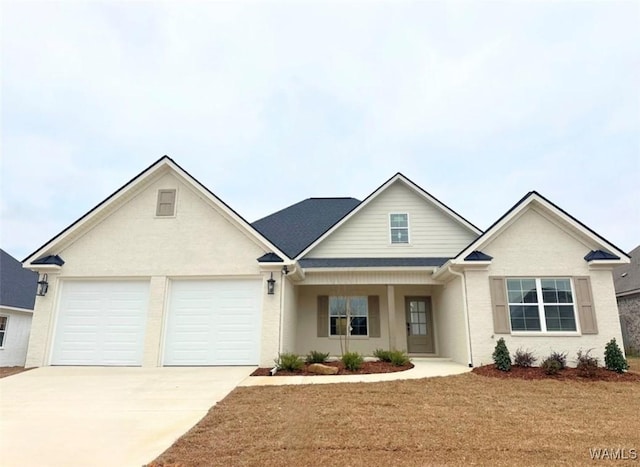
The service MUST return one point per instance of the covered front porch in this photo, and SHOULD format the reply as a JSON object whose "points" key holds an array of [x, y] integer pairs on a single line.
{"points": [[402, 309]]}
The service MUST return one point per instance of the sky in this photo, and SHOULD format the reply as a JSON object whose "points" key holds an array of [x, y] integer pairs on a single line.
{"points": [[268, 103]]}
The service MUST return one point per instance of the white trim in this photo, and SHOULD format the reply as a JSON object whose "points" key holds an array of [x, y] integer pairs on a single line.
{"points": [[13, 309], [408, 227], [540, 304], [374, 195], [6, 328]]}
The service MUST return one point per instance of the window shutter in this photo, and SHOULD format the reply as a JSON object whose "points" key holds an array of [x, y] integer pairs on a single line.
{"points": [[323, 316], [584, 302], [166, 203], [374, 316], [501, 324]]}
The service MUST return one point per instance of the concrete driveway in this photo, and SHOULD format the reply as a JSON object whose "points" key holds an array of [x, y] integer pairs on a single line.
{"points": [[81, 416]]}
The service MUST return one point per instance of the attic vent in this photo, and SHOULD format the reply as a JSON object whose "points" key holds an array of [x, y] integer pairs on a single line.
{"points": [[166, 203]]}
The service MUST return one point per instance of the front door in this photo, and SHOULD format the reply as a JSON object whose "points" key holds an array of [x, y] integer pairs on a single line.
{"points": [[419, 325]]}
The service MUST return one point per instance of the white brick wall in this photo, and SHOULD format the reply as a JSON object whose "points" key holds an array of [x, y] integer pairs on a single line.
{"points": [[132, 243], [535, 246]]}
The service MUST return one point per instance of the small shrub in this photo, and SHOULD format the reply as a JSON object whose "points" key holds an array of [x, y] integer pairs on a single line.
{"points": [[501, 356], [559, 357], [613, 358], [523, 358], [317, 357], [398, 358], [551, 366], [382, 355], [586, 364], [352, 361], [289, 362]]}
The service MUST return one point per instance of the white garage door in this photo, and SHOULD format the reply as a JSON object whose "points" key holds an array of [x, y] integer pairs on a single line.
{"points": [[101, 323], [213, 323]]}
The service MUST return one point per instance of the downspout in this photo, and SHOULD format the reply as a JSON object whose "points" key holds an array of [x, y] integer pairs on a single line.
{"points": [[465, 308]]}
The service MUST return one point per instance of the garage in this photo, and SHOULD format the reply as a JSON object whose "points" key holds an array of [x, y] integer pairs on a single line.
{"points": [[213, 322], [101, 323]]}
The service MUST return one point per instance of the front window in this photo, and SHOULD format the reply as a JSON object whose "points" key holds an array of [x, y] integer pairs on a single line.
{"points": [[541, 305], [3, 329], [399, 225], [348, 315]]}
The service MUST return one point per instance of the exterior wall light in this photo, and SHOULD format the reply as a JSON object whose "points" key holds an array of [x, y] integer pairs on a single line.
{"points": [[271, 285], [43, 286]]}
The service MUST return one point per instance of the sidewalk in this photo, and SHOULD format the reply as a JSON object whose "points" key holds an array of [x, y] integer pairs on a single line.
{"points": [[423, 368]]}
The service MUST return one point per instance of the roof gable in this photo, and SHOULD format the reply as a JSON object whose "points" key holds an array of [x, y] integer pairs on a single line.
{"points": [[535, 200], [412, 187], [131, 188], [626, 278], [294, 228], [17, 285]]}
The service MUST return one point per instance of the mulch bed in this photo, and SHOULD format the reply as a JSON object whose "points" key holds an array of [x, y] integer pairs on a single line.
{"points": [[11, 370], [367, 368], [568, 374]]}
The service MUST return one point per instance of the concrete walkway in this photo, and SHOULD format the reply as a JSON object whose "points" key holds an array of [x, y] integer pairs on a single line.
{"points": [[423, 368], [96, 416]]}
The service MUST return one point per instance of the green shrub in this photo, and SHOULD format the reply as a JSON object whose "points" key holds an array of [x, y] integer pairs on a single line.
{"points": [[613, 358], [559, 357], [317, 357], [289, 362], [586, 364], [352, 361], [398, 358], [551, 366], [382, 355], [501, 356], [523, 358]]}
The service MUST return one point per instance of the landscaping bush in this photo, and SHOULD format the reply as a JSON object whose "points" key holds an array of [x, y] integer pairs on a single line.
{"points": [[382, 355], [613, 358], [523, 358], [551, 366], [317, 357], [289, 362], [586, 364], [398, 358], [559, 357], [352, 361], [501, 356]]}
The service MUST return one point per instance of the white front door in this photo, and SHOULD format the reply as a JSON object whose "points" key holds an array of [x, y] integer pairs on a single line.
{"points": [[213, 322], [101, 323]]}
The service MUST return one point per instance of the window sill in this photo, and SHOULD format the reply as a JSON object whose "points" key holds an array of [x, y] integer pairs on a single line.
{"points": [[355, 338], [546, 334]]}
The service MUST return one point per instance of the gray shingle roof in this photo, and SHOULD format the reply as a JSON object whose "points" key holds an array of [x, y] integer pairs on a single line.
{"points": [[370, 262], [17, 285], [626, 278], [595, 255], [296, 227]]}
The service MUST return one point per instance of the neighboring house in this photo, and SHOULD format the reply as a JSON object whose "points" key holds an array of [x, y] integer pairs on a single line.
{"points": [[165, 273], [17, 297], [626, 279]]}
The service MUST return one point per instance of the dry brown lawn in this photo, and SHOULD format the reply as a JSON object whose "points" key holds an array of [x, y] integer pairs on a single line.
{"points": [[11, 370], [465, 419]]}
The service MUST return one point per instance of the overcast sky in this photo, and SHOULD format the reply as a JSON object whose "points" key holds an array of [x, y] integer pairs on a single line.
{"points": [[268, 103]]}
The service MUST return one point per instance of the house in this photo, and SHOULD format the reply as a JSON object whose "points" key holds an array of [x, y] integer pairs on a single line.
{"points": [[163, 272], [626, 279], [17, 298]]}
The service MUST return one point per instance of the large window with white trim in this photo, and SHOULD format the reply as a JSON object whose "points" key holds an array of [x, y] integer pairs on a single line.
{"points": [[541, 305], [348, 315], [399, 228]]}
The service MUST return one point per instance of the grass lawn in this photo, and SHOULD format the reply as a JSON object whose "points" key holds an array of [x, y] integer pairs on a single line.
{"points": [[456, 420]]}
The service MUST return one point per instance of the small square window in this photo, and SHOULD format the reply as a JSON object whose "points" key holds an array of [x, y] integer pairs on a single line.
{"points": [[399, 228], [166, 206], [3, 329]]}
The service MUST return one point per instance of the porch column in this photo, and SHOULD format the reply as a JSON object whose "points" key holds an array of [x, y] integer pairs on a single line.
{"points": [[391, 308]]}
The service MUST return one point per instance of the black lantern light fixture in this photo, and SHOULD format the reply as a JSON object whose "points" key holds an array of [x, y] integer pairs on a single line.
{"points": [[271, 285], [43, 286]]}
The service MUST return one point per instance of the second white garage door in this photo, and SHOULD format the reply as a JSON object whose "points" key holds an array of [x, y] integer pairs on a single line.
{"points": [[213, 322]]}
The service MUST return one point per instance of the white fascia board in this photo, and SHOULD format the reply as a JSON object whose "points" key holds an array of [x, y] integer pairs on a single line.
{"points": [[375, 269], [12, 309]]}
